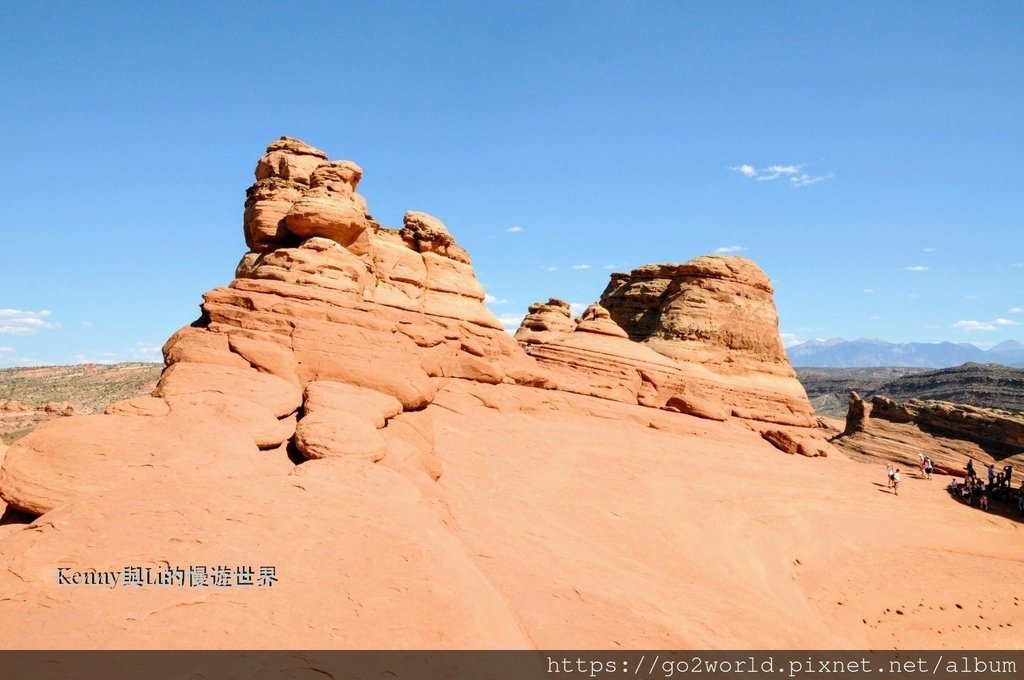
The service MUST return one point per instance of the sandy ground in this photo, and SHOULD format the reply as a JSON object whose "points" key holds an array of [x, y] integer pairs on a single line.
{"points": [[601, 535], [559, 522]]}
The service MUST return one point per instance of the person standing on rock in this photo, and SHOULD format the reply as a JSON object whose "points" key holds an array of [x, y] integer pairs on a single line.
{"points": [[896, 481], [991, 473], [889, 469], [970, 468], [920, 462], [1007, 473], [929, 467]]}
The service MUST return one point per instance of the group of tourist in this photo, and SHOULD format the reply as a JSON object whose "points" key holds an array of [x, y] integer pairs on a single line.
{"points": [[998, 488], [893, 472]]}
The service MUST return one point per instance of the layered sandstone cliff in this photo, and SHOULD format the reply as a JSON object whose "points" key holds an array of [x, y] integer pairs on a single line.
{"points": [[949, 433]]}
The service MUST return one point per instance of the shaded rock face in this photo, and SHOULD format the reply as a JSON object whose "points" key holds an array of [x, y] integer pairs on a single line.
{"points": [[857, 415], [992, 427], [950, 434]]}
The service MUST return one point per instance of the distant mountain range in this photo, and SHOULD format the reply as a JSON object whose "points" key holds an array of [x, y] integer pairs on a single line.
{"points": [[864, 353]]}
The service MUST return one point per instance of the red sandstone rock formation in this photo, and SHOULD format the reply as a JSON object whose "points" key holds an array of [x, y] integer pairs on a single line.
{"points": [[950, 434], [700, 338], [369, 352]]}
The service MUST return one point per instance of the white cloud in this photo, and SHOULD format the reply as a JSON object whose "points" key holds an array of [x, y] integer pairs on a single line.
{"points": [[147, 351], [492, 300], [797, 177], [970, 297], [514, 230], [580, 267], [995, 324], [1018, 265], [930, 249], [869, 290], [804, 180], [874, 318], [577, 308], [745, 170], [916, 268], [12, 361], [19, 322], [550, 268], [729, 249], [100, 358], [790, 339], [610, 266], [1016, 310], [776, 171], [86, 324], [511, 321], [974, 326], [6, 349]]}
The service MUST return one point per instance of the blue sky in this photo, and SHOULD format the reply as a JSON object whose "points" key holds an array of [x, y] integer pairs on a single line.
{"points": [[867, 155]]}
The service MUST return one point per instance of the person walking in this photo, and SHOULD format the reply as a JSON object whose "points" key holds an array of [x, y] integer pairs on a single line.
{"points": [[896, 481], [929, 467], [889, 470]]}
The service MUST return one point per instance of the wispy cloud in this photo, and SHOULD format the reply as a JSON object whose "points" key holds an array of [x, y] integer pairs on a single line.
{"points": [[805, 180], [995, 324], [4, 349], [147, 351], [970, 297], [874, 318], [790, 339], [1016, 310], [98, 358], [745, 170], [514, 229], [577, 308], [20, 322], [1017, 265], [929, 249], [511, 321], [580, 267], [729, 249], [550, 268], [869, 290], [795, 173], [492, 300], [916, 268]]}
